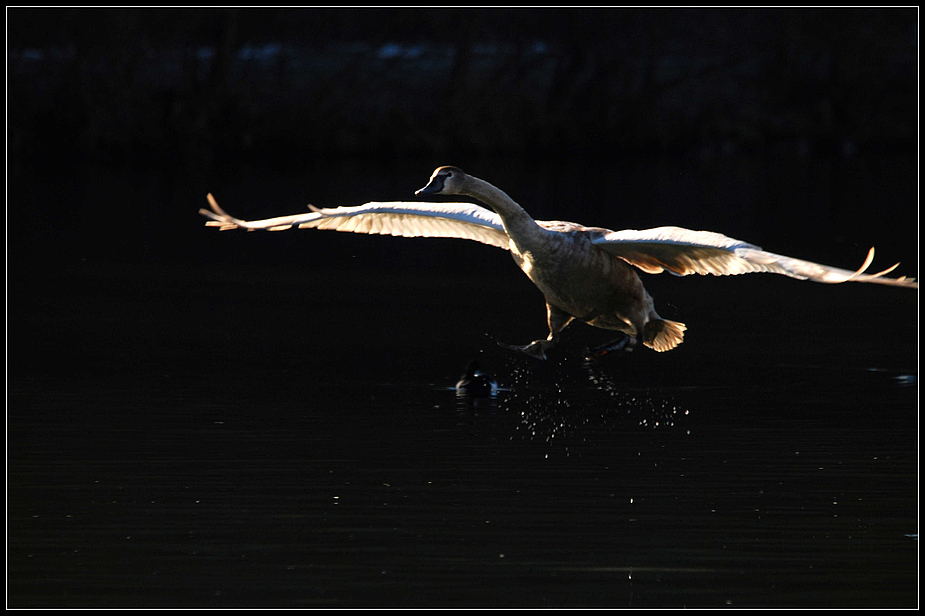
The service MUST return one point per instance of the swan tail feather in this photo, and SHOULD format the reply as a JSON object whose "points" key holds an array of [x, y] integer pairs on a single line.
{"points": [[663, 335]]}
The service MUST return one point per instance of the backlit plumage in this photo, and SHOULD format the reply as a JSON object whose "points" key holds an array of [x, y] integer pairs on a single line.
{"points": [[585, 273]]}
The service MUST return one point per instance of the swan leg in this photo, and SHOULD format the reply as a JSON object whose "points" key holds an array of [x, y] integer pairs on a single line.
{"points": [[626, 342], [557, 321]]}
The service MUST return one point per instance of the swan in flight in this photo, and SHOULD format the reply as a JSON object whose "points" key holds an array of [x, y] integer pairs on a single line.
{"points": [[585, 273]]}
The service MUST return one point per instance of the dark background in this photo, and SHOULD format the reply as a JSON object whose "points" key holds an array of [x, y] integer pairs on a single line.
{"points": [[185, 406], [271, 83], [200, 94]]}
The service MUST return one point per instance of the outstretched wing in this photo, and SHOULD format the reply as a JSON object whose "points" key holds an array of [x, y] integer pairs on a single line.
{"points": [[683, 252], [408, 219]]}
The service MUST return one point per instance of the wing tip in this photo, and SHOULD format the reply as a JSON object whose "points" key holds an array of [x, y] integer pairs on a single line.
{"points": [[214, 205], [864, 266], [900, 281], [218, 217]]}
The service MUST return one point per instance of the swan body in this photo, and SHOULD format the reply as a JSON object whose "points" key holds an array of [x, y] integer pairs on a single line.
{"points": [[584, 273]]}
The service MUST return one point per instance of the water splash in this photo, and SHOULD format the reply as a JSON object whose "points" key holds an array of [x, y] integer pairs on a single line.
{"points": [[574, 397]]}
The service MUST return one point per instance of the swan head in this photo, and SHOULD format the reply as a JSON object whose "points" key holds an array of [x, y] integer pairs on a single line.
{"points": [[445, 181]]}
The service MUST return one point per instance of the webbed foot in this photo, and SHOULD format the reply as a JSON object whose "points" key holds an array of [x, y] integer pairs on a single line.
{"points": [[536, 349], [624, 343], [557, 320]]}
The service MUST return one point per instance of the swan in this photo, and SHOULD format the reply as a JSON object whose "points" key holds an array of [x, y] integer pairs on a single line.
{"points": [[587, 274]]}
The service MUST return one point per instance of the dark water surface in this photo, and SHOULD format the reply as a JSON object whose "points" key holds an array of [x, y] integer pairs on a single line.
{"points": [[227, 433]]}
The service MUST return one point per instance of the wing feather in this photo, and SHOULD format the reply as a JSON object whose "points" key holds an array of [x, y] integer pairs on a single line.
{"points": [[400, 218], [683, 252], [679, 251]]}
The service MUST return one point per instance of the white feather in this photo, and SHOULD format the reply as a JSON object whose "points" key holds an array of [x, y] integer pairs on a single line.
{"points": [[679, 251], [682, 252]]}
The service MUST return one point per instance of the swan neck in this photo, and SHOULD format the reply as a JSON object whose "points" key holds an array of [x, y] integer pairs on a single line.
{"points": [[498, 200]]}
